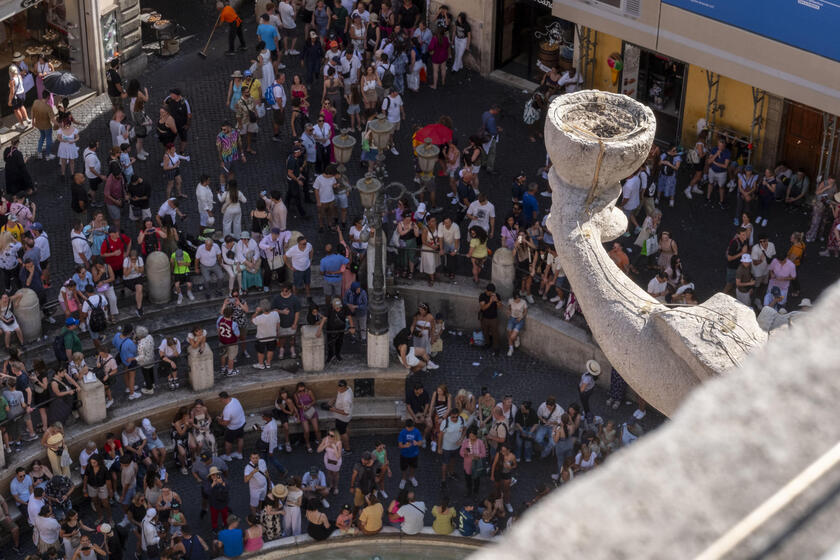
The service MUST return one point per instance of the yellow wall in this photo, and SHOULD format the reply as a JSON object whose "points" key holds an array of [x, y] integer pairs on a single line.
{"points": [[734, 95], [601, 77]]}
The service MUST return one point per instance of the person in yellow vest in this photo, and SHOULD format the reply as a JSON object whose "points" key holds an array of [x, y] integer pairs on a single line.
{"points": [[180, 261]]}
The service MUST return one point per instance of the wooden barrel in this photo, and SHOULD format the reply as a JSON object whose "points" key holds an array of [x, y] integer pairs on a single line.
{"points": [[548, 57]]}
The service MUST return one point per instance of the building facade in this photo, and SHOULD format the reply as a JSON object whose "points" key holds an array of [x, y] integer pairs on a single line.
{"points": [[79, 36]]}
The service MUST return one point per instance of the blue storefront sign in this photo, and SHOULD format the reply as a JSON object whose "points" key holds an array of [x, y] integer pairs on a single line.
{"points": [[810, 25]]}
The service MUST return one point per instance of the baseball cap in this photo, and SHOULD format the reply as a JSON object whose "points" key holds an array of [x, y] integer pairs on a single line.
{"points": [[333, 44], [313, 470], [38, 226], [70, 321], [248, 73], [746, 258], [276, 230], [342, 383], [776, 291]]}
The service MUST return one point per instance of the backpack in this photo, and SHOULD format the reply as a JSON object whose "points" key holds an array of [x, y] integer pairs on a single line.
{"points": [[367, 480], [97, 321], [531, 113], [268, 96], [387, 78], [648, 186], [692, 157], [59, 349]]}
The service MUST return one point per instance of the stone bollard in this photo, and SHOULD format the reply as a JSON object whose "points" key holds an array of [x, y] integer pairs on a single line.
{"points": [[378, 350], [159, 277], [312, 348], [92, 397], [201, 368], [503, 273], [28, 315]]}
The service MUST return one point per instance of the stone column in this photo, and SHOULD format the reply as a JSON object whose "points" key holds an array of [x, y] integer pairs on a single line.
{"points": [[28, 315], [503, 273], [201, 368], [159, 277], [92, 397], [378, 350], [312, 348], [371, 258]]}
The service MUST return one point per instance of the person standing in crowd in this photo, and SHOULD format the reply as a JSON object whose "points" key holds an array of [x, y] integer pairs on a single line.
{"points": [[738, 246], [342, 407], [489, 124], [718, 161], [394, 110], [227, 15], [179, 108], [587, 383], [299, 260], [331, 267], [233, 419], [267, 322], [44, 121], [669, 165], [488, 303]]}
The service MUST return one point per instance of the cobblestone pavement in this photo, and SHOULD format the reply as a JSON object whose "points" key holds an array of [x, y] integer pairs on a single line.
{"points": [[701, 232]]}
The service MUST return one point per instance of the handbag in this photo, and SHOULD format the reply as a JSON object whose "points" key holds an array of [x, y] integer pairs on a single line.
{"points": [[309, 413], [261, 110], [276, 260], [641, 238]]}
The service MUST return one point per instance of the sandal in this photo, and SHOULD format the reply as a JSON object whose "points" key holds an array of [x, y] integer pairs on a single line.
{"points": [[309, 450]]}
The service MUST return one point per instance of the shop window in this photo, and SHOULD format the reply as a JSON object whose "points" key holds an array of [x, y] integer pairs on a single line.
{"points": [[659, 82]]}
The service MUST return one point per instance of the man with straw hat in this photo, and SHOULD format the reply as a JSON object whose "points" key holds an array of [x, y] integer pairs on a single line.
{"points": [[587, 383]]}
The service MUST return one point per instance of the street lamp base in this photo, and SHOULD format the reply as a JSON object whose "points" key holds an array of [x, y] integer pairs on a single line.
{"points": [[378, 350]]}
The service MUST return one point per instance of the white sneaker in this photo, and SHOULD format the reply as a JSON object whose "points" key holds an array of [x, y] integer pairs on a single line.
{"points": [[510, 351], [184, 471], [639, 414], [671, 204], [529, 298], [555, 476], [450, 195], [687, 192], [133, 396], [559, 305], [258, 366], [83, 327], [696, 190], [509, 508], [516, 343], [555, 299], [180, 299], [147, 391], [325, 503], [764, 222], [280, 66], [414, 482], [294, 52], [192, 297], [434, 447], [50, 157], [288, 448], [395, 152], [225, 458], [758, 220], [109, 403], [454, 201], [402, 484], [384, 494], [432, 365]]}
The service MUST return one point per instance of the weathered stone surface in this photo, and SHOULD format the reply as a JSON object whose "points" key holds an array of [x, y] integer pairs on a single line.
{"points": [[378, 350], [662, 352], [312, 355], [28, 315], [201, 368], [92, 397], [159, 277], [503, 273], [735, 442]]}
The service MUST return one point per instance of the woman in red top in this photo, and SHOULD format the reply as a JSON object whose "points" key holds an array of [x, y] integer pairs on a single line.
{"points": [[115, 249], [439, 51]]}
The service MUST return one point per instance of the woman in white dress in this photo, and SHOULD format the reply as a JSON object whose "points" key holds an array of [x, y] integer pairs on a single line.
{"points": [[430, 250], [266, 67], [68, 135]]}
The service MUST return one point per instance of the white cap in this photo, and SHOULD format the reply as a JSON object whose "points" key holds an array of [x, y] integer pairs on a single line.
{"points": [[746, 258], [147, 425]]}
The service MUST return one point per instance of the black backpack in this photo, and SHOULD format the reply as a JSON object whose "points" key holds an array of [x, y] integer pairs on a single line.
{"points": [[367, 480], [98, 322], [388, 78]]}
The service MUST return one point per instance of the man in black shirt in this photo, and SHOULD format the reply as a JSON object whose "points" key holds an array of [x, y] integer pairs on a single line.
{"points": [[525, 423], [116, 92], [417, 404], [179, 108], [336, 318], [18, 178], [79, 195], [409, 16], [288, 307], [488, 303], [295, 179], [414, 358], [139, 192], [738, 246]]}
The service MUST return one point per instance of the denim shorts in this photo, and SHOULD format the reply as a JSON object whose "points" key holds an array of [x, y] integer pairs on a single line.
{"points": [[515, 324], [302, 278]]}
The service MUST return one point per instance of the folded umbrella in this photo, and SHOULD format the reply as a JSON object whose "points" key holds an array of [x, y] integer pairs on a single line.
{"points": [[62, 83]]}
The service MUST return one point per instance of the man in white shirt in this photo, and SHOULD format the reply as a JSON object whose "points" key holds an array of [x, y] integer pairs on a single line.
{"points": [[658, 286], [762, 255], [34, 505], [452, 431], [233, 419], [571, 80], [169, 208], [350, 66], [324, 187], [549, 414], [394, 110], [80, 245], [93, 169], [482, 213], [630, 201], [314, 484], [85, 455], [272, 249], [93, 300], [321, 134], [412, 514], [342, 406], [299, 258], [288, 26], [204, 198], [256, 475], [267, 322], [208, 259], [278, 109]]}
